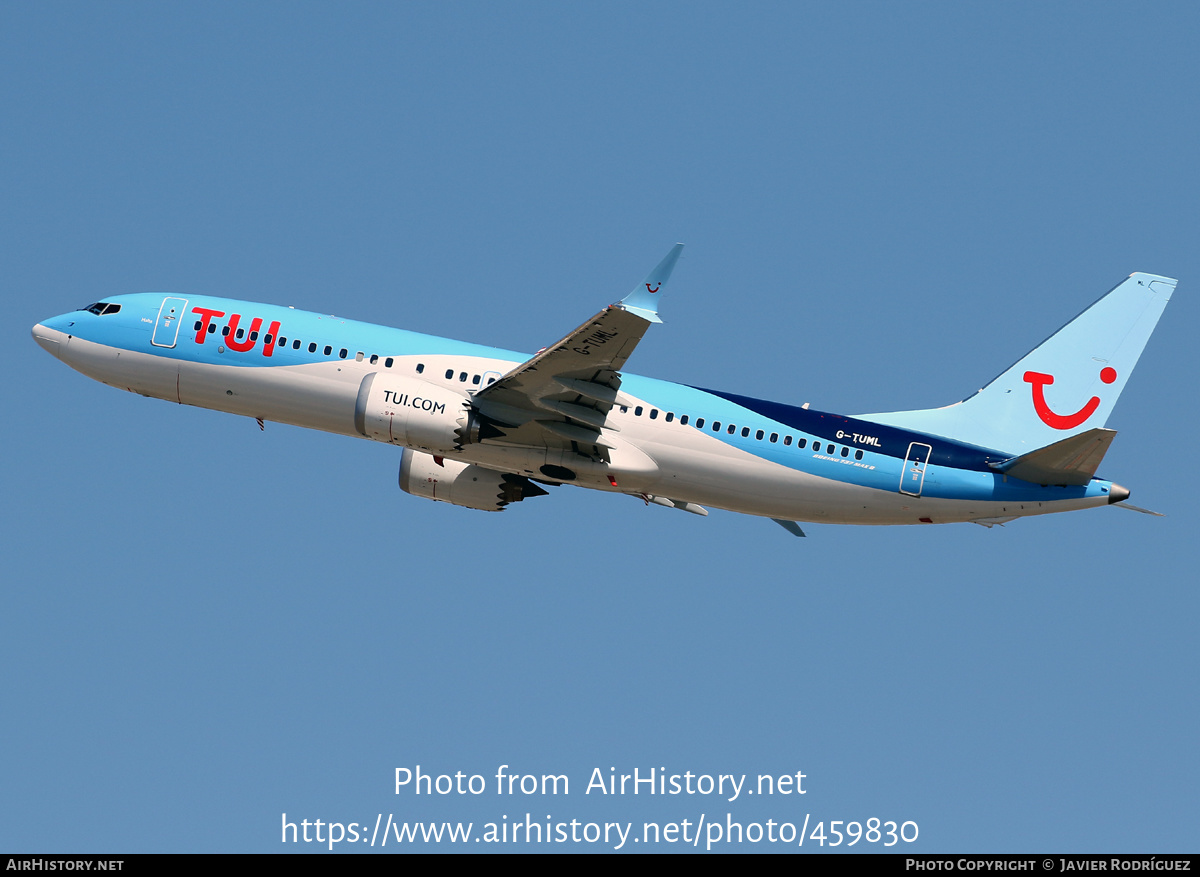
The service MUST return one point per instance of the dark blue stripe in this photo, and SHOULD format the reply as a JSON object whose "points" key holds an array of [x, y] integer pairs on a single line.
{"points": [[892, 442]]}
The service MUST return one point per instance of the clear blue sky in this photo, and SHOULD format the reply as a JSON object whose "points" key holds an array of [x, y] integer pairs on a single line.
{"points": [[205, 626]]}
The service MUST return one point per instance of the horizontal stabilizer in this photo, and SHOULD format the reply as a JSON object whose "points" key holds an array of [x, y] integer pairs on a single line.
{"points": [[1072, 461], [1135, 508]]}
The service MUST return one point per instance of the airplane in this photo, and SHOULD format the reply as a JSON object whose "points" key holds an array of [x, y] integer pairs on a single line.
{"points": [[484, 428]]}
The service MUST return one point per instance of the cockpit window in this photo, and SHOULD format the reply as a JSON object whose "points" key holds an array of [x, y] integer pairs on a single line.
{"points": [[102, 308]]}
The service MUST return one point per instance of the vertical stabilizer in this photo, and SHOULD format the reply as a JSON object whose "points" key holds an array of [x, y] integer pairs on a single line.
{"points": [[1066, 385]]}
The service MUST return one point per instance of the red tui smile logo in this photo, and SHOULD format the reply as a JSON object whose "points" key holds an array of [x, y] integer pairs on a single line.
{"points": [[1039, 382]]}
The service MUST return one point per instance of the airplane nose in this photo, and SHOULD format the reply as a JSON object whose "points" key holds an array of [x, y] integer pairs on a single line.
{"points": [[1117, 494], [47, 338]]}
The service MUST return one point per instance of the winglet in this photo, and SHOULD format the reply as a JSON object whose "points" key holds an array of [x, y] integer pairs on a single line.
{"points": [[643, 301]]}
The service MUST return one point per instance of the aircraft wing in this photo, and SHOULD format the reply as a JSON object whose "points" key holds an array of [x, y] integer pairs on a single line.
{"points": [[561, 396]]}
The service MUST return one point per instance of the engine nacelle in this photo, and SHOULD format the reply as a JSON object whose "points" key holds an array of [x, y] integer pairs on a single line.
{"points": [[462, 484], [411, 412]]}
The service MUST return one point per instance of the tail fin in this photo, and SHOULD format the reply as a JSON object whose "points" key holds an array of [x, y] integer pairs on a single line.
{"points": [[1066, 385]]}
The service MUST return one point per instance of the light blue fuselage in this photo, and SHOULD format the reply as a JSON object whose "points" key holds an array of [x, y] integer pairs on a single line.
{"points": [[706, 447]]}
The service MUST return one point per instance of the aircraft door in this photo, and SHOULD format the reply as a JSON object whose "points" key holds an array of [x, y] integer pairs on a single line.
{"points": [[170, 315], [912, 475]]}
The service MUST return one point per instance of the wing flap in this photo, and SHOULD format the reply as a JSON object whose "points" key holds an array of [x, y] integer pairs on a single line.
{"points": [[572, 433], [602, 393], [593, 417]]}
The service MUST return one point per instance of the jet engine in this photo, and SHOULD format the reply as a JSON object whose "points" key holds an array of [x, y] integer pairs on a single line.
{"points": [[411, 412], [462, 484]]}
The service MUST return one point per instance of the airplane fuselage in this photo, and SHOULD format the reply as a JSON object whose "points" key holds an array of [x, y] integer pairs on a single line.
{"points": [[691, 445]]}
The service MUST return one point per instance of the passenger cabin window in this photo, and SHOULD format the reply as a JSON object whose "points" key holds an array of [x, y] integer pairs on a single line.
{"points": [[858, 455], [387, 363], [759, 435], [312, 348], [449, 374], [787, 440], [638, 411], [328, 349], [342, 353], [653, 413], [699, 423], [745, 432], [670, 416], [683, 418], [420, 365], [296, 344], [802, 443]]}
